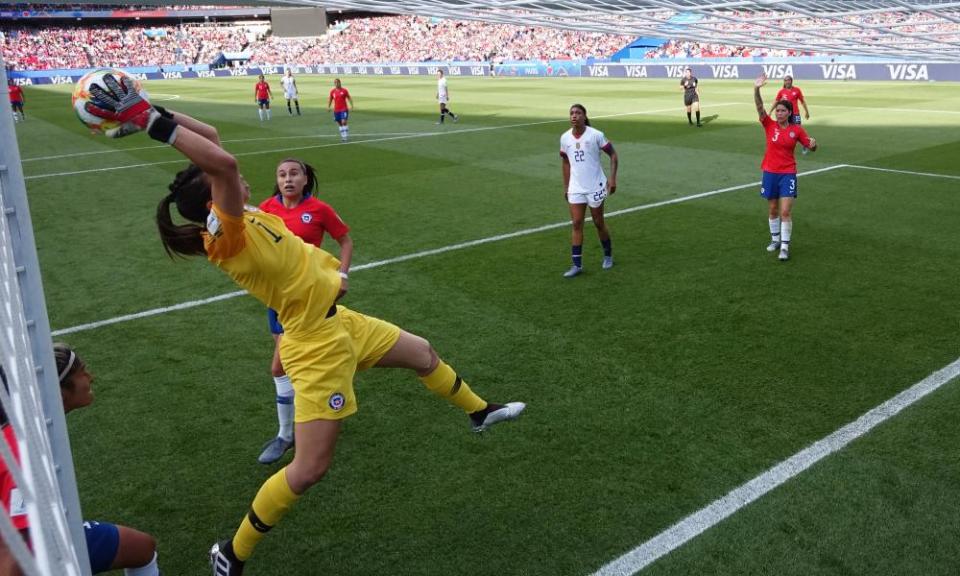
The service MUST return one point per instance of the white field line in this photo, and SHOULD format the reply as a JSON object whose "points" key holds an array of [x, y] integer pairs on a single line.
{"points": [[418, 255], [385, 139], [908, 172], [164, 146], [711, 515], [722, 508], [881, 109]]}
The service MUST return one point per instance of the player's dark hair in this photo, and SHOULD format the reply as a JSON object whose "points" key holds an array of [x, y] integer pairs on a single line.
{"points": [[310, 187], [580, 107], [67, 361], [191, 193], [786, 104]]}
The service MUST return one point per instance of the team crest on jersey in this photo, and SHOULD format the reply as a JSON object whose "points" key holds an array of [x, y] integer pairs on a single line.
{"points": [[306, 217], [337, 401], [578, 146], [793, 134]]}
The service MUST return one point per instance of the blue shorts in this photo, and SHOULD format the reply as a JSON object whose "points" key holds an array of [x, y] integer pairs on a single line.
{"points": [[795, 119], [774, 186], [341, 116], [103, 540], [275, 326], [264, 102]]}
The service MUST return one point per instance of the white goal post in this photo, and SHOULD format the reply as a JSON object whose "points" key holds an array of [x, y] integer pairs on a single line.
{"points": [[44, 475]]}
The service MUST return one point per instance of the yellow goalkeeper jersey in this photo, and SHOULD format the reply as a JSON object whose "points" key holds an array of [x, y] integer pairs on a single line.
{"points": [[298, 280]]}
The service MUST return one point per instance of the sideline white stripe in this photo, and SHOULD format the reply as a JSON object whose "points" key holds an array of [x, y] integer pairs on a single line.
{"points": [[165, 147], [876, 109], [711, 515], [908, 172], [386, 139], [423, 254]]}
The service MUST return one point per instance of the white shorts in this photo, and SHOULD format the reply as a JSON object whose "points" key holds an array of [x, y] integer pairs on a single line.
{"points": [[443, 99], [592, 199], [291, 95]]}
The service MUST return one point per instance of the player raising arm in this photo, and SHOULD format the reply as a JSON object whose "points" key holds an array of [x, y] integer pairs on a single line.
{"points": [[323, 345], [779, 182]]}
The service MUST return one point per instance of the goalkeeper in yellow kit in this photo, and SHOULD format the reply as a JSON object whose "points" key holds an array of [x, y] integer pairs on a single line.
{"points": [[323, 345]]}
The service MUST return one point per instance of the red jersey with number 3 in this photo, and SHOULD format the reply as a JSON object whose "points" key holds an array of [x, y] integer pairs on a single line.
{"points": [[779, 158], [309, 219], [339, 96], [16, 93], [263, 90]]}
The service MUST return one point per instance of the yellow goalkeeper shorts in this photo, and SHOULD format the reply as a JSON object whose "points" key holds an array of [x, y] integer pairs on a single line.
{"points": [[321, 365]]}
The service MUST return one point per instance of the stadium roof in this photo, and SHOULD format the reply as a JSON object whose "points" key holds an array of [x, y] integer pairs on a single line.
{"points": [[891, 29], [879, 28]]}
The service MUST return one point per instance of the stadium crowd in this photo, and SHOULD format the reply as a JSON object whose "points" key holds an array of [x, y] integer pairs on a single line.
{"points": [[389, 39]]}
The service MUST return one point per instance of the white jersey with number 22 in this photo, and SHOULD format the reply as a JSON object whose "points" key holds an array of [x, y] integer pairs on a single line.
{"points": [[583, 153]]}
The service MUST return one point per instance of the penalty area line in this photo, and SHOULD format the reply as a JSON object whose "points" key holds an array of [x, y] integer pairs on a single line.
{"points": [[724, 507], [418, 255]]}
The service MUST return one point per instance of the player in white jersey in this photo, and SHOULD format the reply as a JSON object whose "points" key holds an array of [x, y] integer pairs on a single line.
{"points": [[585, 184], [443, 96], [290, 91]]}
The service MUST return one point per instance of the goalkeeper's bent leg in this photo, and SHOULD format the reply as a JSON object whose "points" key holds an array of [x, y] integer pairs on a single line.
{"points": [[270, 505], [444, 382]]}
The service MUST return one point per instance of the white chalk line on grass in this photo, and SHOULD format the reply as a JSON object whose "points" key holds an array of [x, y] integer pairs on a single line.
{"points": [[907, 172], [418, 255], [722, 508], [166, 147], [882, 109], [354, 142]]}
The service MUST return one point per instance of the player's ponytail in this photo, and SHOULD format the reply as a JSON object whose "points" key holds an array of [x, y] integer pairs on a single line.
{"points": [[586, 119], [191, 193]]}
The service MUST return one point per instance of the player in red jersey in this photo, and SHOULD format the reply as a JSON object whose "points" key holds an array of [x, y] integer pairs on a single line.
{"points": [[794, 95], [294, 201], [779, 185], [262, 95], [339, 97], [16, 100]]}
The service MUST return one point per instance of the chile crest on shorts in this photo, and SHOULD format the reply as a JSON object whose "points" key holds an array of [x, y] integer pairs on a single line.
{"points": [[337, 401]]}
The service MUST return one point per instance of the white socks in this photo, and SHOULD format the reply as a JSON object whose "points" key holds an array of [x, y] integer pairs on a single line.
{"points": [[285, 397], [150, 569], [260, 113], [786, 228], [344, 130], [775, 229]]}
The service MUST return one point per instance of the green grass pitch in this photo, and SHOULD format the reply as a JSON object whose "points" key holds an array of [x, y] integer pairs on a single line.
{"points": [[654, 388]]}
